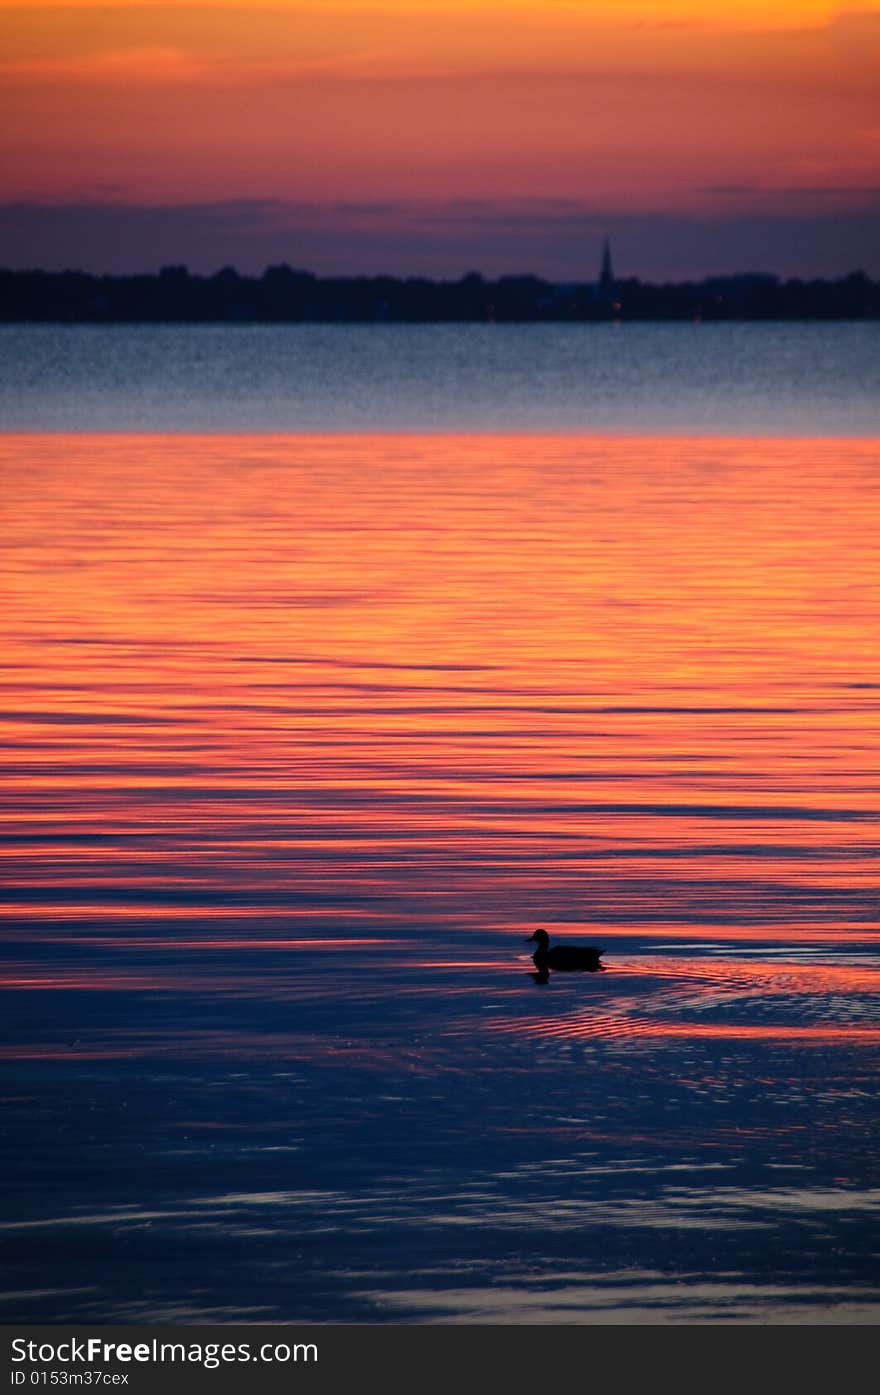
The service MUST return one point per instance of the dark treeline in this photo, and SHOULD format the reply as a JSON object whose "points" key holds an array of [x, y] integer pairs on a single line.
{"points": [[282, 294]]}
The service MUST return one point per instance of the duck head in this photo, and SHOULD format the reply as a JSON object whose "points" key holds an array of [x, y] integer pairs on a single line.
{"points": [[542, 938]]}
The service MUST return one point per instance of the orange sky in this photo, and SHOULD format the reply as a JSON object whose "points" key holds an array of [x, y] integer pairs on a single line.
{"points": [[629, 106]]}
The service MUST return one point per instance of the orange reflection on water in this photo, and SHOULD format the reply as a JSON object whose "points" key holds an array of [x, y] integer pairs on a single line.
{"points": [[622, 1027], [835, 932], [484, 681]]}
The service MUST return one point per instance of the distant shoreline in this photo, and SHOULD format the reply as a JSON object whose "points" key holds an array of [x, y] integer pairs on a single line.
{"points": [[283, 295]]}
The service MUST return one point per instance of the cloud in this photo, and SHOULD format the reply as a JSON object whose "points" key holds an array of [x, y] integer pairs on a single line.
{"points": [[140, 65], [853, 193], [557, 238]]}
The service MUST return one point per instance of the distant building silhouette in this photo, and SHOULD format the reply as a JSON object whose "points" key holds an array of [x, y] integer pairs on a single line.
{"points": [[283, 295], [605, 290], [606, 275]]}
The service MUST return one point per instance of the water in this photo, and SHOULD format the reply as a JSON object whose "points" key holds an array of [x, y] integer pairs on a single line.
{"points": [[690, 379], [304, 735]]}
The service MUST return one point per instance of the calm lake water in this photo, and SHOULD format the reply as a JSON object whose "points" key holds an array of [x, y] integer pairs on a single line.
{"points": [[690, 379], [304, 735]]}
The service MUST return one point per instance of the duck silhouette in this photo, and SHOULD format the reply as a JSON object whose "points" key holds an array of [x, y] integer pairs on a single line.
{"points": [[564, 958]]}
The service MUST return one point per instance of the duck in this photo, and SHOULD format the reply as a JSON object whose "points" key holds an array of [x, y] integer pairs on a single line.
{"points": [[568, 958]]}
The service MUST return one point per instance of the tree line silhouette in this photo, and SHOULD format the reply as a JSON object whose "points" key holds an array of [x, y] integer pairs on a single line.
{"points": [[285, 295]]}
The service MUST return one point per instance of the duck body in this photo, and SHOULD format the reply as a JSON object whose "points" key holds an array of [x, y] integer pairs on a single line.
{"points": [[565, 958]]}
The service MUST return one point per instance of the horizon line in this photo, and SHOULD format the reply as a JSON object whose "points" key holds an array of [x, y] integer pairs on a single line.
{"points": [[182, 269]]}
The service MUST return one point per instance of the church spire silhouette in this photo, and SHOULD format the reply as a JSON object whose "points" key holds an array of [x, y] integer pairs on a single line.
{"points": [[606, 275]]}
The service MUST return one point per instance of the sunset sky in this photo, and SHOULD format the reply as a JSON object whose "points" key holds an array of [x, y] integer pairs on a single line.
{"points": [[434, 136]]}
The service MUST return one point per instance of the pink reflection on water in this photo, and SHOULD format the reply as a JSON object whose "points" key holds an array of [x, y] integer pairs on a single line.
{"points": [[622, 688]]}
